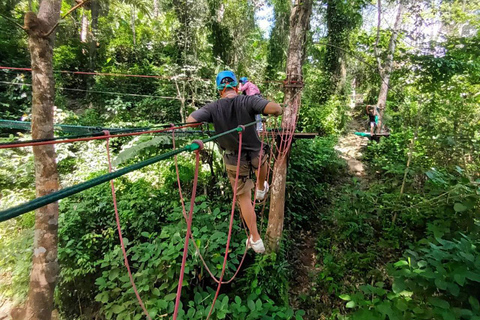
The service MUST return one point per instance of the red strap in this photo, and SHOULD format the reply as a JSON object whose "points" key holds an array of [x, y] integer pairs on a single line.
{"points": [[119, 228], [231, 222], [187, 237], [182, 201]]}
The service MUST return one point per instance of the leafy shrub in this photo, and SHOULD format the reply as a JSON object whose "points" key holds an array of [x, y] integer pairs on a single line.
{"points": [[438, 281], [312, 168]]}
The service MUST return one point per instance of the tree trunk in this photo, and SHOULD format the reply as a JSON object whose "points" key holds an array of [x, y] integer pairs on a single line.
{"points": [[299, 25], [386, 70], [45, 267], [337, 37], [95, 12], [155, 9], [84, 28], [134, 33]]}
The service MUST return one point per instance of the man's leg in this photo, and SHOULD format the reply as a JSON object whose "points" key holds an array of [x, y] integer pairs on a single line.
{"points": [[262, 175], [248, 213]]}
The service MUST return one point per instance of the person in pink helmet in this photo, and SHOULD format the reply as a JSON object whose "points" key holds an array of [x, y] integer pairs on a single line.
{"points": [[250, 89]]}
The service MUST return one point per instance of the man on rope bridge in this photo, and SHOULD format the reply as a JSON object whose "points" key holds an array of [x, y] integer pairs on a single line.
{"points": [[229, 112]]}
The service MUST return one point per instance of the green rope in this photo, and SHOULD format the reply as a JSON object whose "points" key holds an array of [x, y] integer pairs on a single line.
{"points": [[55, 196], [25, 125]]}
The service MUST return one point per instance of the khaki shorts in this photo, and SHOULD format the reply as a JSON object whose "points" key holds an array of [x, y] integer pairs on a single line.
{"points": [[247, 171]]}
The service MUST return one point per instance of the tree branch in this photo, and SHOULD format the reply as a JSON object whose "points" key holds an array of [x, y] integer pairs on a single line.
{"points": [[377, 56], [13, 21], [64, 16]]}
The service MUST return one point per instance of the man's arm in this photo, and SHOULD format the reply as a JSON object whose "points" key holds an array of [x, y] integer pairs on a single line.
{"points": [[191, 119], [200, 115], [273, 109]]}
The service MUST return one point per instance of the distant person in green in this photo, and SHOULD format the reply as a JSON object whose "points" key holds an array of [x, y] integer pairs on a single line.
{"points": [[229, 112], [372, 118]]}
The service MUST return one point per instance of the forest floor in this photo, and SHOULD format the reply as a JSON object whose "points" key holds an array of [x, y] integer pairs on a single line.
{"points": [[306, 269], [350, 146]]}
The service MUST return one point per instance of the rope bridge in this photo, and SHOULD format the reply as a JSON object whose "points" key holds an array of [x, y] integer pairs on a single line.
{"points": [[269, 136]]}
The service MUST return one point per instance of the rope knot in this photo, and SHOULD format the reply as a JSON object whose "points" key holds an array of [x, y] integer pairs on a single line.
{"points": [[240, 129], [199, 143]]}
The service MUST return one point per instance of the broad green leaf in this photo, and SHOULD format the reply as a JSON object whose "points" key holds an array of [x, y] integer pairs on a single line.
{"points": [[474, 303], [459, 207], [400, 263], [437, 302], [118, 308], [251, 305], [345, 297], [170, 297]]}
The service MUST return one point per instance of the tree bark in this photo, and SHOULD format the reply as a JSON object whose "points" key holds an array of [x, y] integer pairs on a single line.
{"points": [[386, 70], [84, 28], [155, 9], [45, 267], [95, 12], [299, 25], [134, 33], [337, 36]]}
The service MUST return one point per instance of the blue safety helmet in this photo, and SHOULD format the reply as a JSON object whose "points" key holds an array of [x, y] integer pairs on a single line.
{"points": [[226, 79], [243, 80]]}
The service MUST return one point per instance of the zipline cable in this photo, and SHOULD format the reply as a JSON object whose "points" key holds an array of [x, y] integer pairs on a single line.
{"points": [[31, 144], [111, 74], [96, 134]]}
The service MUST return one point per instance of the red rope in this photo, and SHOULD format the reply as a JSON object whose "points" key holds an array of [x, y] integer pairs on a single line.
{"points": [[231, 222], [30, 144], [119, 228], [187, 236], [182, 201], [110, 74]]}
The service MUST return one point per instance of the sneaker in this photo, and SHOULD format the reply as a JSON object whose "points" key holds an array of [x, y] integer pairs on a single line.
{"points": [[257, 246], [260, 194]]}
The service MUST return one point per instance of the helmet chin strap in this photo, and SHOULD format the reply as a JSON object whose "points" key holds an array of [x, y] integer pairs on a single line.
{"points": [[225, 89]]}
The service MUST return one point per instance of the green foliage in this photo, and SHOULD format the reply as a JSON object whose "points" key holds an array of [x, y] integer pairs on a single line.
{"points": [[277, 55], [314, 165], [153, 229], [268, 276], [16, 242], [16, 99], [439, 280]]}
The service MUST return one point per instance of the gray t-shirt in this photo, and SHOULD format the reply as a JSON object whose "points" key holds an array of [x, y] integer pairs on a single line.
{"points": [[229, 113]]}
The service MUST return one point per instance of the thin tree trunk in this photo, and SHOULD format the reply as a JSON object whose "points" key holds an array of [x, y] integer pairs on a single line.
{"points": [[336, 58], [299, 25], [155, 9], [95, 12], [181, 96], [386, 70], [45, 267], [134, 35], [84, 28], [409, 161]]}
